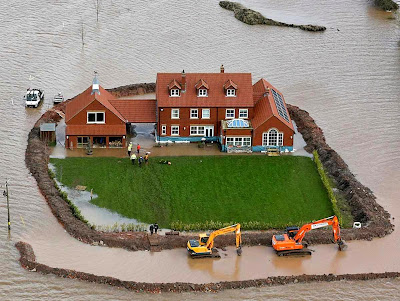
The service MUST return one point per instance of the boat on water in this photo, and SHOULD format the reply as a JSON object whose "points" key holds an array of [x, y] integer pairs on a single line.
{"points": [[33, 97], [58, 98]]}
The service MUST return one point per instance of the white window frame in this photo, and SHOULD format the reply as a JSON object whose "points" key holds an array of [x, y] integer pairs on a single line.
{"points": [[194, 113], [230, 117], [280, 139], [266, 139], [95, 122], [238, 141], [244, 113], [202, 114], [202, 93], [174, 128], [174, 93], [174, 111], [197, 130], [163, 130], [231, 92]]}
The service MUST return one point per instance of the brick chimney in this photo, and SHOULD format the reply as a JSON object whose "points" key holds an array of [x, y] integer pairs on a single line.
{"points": [[183, 81], [222, 69]]}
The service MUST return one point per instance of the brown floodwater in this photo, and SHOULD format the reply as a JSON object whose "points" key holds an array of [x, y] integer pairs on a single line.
{"points": [[348, 78]]}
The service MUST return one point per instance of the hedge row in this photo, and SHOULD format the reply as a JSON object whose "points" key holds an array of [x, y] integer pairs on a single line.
{"points": [[214, 225], [328, 186]]}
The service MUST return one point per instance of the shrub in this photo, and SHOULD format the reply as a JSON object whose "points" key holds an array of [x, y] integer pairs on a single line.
{"points": [[326, 182]]}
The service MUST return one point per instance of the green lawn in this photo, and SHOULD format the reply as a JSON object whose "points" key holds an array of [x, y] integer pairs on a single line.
{"points": [[273, 190]]}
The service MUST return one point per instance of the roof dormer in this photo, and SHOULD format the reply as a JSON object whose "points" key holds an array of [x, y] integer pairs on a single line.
{"points": [[174, 88], [202, 88], [230, 88]]}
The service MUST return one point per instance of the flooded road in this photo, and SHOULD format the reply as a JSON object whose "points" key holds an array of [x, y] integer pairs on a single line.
{"points": [[348, 78]]}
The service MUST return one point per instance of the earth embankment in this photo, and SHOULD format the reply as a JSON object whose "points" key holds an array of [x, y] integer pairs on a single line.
{"points": [[28, 261], [365, 209], [252, 17]]}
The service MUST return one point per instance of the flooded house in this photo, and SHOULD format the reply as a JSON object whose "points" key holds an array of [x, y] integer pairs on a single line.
{"points": [[222, 107], [97, 118], [225, 108]]}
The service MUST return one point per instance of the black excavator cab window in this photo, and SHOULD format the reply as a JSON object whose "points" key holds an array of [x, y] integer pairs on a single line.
{"points": [[204, 239], [292, 231], [279, 237]]}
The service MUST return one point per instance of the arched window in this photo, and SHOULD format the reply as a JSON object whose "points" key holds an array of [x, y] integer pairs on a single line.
{"points": [[272, 138]]}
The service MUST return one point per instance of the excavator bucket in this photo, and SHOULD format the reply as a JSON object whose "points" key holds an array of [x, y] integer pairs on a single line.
{"points": [[239, 251], [342, 245]]}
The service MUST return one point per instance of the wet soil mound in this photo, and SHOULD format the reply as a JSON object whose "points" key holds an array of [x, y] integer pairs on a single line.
{"points": [[362, 201], [252, 17], [28, 261], [387, 4]]}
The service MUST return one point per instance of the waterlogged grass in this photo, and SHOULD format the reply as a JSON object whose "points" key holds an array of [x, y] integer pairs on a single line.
{"points": [[257, 191]]}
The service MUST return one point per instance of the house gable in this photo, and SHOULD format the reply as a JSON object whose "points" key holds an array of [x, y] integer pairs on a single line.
{"points": [[95, 106]]}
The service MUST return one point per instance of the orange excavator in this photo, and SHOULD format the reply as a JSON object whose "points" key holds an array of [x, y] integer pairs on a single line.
{"points": [[204, 246], [290, 243]]}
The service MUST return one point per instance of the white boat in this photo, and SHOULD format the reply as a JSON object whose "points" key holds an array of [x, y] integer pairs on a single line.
{"points": [[33, 97], [58, 98]]}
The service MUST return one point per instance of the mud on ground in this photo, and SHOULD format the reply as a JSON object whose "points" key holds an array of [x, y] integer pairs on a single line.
{"points": [[362, 201]]}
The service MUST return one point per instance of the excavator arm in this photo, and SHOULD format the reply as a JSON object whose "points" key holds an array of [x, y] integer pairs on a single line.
{"points": [[234, 228], [329, 221]]}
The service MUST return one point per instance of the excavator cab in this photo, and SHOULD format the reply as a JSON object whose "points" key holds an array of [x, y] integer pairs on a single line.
{"points": [[203, 238], [292, 231]]}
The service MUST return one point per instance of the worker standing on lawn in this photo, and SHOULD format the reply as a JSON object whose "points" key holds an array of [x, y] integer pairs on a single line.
{"points": [[138, 148], [130, 149], [140, 161], [146, 158], [133, 158]]}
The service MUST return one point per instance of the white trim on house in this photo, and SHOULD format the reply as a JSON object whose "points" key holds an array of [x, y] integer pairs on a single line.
{"points": [[231, 92], [197, 130], [164, 130], [194, 113], [96, 117], [272, 138], [174, 112], [202, 93], [244, 113], [238, 141], [202, 114], [229, 117], [174, 93], [175, 128]]}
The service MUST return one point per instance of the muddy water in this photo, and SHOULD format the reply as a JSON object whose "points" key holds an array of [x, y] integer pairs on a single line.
{"points": [[348, 78]]}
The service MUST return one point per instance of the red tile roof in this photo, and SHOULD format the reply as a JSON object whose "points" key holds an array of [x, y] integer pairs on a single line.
{"points": [[96, 130], [174, 84], [81, 101], [229, 84], [136, 110], [265, 106], [201, 83], [216, 94]]}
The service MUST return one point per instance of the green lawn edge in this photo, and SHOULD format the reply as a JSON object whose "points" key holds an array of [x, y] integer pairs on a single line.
{"points": [[199, 193]]}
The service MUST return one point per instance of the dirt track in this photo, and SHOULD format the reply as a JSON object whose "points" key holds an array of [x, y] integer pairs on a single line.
{"points": [[360, 198]]}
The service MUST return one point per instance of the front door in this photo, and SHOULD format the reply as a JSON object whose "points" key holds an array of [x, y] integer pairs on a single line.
{"points": [[209, 131]]}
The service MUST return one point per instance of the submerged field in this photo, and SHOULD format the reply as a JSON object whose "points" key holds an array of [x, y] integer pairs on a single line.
{"points": [[273, 191]]}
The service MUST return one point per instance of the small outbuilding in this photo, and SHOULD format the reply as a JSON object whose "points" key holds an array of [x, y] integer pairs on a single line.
{"points": [[48, 132]]}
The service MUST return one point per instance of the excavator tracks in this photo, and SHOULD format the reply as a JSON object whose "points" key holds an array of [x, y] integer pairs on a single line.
{"points": [[302, 252]]}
